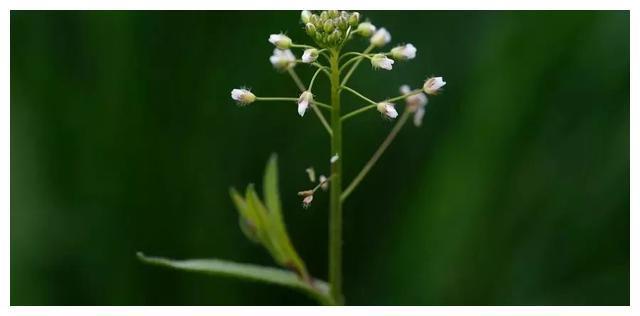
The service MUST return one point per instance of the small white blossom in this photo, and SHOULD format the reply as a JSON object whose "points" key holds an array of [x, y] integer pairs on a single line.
{"points": [[310, 55], [304, 16], [416, 104], [282, 59], [414, 101], [404, 89], [243, 96], [433, 85], [281, 41], [307, 201], [324, 183], [334, 158], [417, 116], [366, 29], [311, 173], [387, 109], [303, 102], [404, 52], [382, 61], [381, 37]]}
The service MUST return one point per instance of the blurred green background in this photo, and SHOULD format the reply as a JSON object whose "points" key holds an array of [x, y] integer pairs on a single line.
{"points": [[515, 190]]}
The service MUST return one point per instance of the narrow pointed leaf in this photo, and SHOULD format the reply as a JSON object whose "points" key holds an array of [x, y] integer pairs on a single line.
{"points": [[319, 290], [270, 187]]}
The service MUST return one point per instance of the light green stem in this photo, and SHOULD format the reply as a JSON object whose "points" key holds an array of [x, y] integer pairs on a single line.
{"points": [[372, 161], [353, 68], [335, 212], [373, 105]]}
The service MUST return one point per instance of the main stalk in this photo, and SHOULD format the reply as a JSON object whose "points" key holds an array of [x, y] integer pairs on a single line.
{"points": [[335, 212]]}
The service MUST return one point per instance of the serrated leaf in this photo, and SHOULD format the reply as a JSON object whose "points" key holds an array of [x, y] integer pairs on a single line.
{"points": [[318, 290]]}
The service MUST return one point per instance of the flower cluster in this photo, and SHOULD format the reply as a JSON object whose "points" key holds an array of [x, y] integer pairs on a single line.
{"points": [[331, 30]]}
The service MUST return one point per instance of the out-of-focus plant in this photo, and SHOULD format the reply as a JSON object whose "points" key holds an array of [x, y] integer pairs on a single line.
{"points": [[261, 219]]}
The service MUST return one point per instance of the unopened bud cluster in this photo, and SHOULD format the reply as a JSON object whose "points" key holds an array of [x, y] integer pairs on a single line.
{"points": [[330, 28]]}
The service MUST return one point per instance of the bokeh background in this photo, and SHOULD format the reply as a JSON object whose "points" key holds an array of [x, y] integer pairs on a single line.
{"points": [[515, 191]]}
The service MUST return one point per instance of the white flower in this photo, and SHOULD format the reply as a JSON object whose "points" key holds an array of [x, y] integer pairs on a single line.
{"points": [[282, 59], [280, 41], [311, 173], [304, 16], [387, 109], [303, 102], [404, 52], [404, 89], [307, 201], [366, 29], [324, 183], [381, 61], [334, 158], [310, 55], [433, 85], [243, 96], [381, 37], [414, 101], [416, 104], [417, 116]]}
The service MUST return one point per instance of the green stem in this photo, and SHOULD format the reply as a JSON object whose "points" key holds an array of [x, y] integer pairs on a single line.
{"points": [[372, 161], [296, 79], [335, 212], [360, 110], [373, 105], [353, 68], [358, 94], [320, 104]]}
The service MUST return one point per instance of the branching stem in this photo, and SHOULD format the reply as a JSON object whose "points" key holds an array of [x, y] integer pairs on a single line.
{"points": [[372, 161]]}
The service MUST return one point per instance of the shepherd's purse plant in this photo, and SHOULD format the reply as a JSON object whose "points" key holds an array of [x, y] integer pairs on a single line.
{"points": [[261, 218]]}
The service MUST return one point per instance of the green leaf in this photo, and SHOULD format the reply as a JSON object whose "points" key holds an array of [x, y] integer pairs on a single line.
{"points": [[319, 290], [270, 186], [247, 218], [270, 239]]}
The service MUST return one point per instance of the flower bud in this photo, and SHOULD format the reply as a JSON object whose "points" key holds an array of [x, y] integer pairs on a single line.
{"points": [[381, 37], [324, 183], [342, 23], [354, 19], [307, 201], [328, 26], [333, 13], [305, 15], [310, 55], [404, 52], [387, 109], [282, 59], [281, 41], [381, 61], [311, 29], [243, 96], [314, 19], [303, 102], [366, 29], [432, 85]]}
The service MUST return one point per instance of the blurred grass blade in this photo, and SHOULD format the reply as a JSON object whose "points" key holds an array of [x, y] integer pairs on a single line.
{"points": [[282, 277]]}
